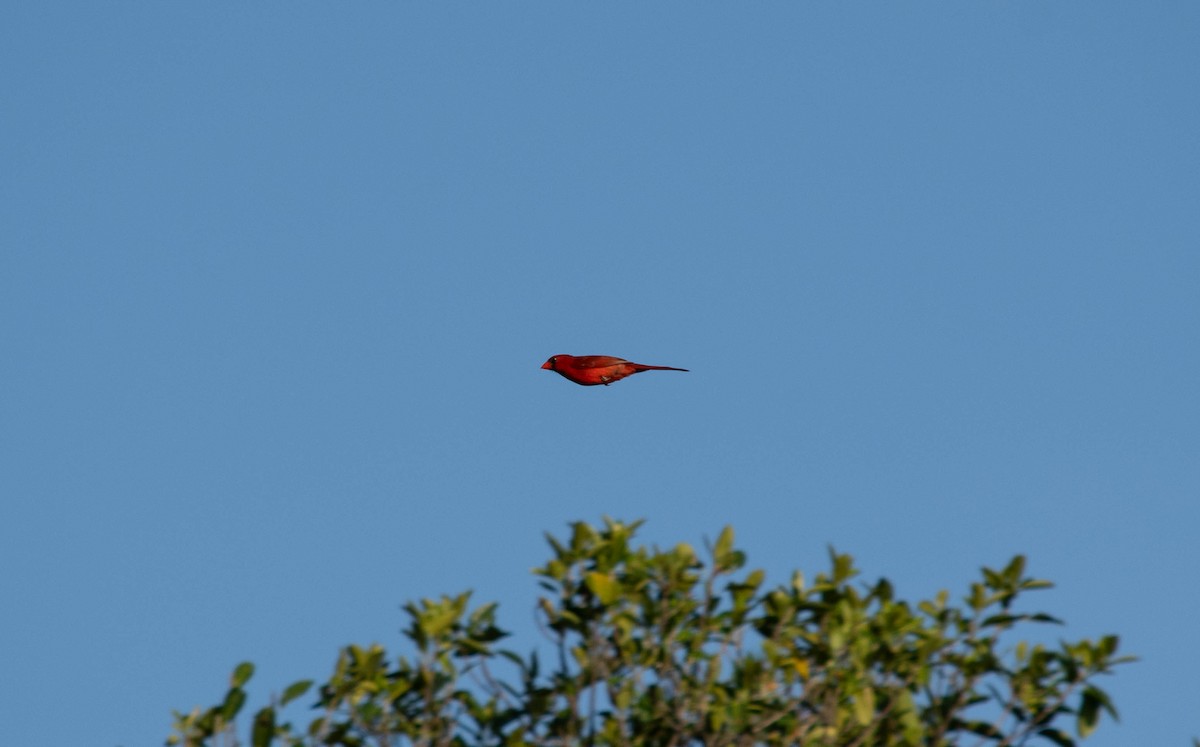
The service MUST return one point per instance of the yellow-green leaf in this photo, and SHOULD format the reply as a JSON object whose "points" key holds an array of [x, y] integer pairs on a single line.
{"points": [[864, 706], [604, 586]]}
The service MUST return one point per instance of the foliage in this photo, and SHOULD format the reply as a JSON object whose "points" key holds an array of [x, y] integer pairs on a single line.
{"points": [[657, 647]]}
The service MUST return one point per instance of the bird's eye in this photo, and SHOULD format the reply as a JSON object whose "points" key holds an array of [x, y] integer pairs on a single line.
{"points": [[553, 360]]}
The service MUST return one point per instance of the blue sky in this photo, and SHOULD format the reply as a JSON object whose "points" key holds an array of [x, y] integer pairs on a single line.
{"points": [[276, 280]]}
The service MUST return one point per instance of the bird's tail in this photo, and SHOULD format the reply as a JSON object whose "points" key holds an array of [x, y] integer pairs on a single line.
{"points": [[644, 367]]}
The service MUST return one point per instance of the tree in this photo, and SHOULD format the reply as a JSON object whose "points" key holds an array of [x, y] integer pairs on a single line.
{"points": [[657, 647]]}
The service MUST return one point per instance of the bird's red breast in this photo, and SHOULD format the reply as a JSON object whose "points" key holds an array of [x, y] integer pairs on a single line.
{"points": [[590, 370]]}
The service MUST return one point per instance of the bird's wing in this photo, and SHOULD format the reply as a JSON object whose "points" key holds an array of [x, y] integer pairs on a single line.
{"points": [[596, 361]]}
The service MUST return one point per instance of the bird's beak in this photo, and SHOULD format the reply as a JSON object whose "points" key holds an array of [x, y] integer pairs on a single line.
{"points": [[547, 366]]}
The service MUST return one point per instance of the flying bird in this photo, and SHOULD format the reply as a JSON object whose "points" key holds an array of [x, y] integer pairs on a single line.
{"points": [[590, 370]]}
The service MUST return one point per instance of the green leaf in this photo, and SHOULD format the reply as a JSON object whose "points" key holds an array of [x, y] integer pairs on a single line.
{"points": [[1102, 700], [843, 566], [295, 690], [734, 560], [264, 728], [978, 598], [982, 728], [555, 545], [439, 618], [723, 547], [1003, 621], [234, 700], [1108, 645], [1057, 736], [684, 550], [1089, 713], [1016, 567], [910, 722], [884, 591], [582, 535], [241, 674], [864, 706], [604, 586]]}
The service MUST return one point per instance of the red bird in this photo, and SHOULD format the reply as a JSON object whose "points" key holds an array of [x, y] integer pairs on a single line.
{"points": [[590, 370]]}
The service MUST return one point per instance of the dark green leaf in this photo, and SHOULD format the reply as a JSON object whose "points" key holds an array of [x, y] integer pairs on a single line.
{"points": [[1057, 736], [1102, 699], [1088, 715], [234, 700], [982, 728], [295, 690], [241, 674], [264, 728]]}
